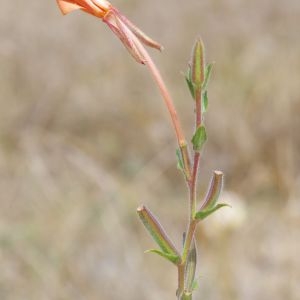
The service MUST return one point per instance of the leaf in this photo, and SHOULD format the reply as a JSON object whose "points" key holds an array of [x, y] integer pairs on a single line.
{"points": [[170, 257], [199, 138], [186, 296], [157, 232], [207, 74], [204, 101], [195, 285], [180, 164], [183, 161], [190, 268], [202, 214], [190, 83]]}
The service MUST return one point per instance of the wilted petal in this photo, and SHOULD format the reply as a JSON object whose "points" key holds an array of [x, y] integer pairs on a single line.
{"points": [[126, 31], [67, 6], [138, 32], [97, 8], [124, 34], [103, 4]]}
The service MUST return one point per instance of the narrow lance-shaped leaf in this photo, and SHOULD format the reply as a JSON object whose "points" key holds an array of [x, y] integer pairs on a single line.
{"points": [[190, 269], [202, 214], [204, 101], [199, 138], [157, 232], [172, 258], [183, 160], [186, 160], [180, 165], [189, 82], [207, 74]]}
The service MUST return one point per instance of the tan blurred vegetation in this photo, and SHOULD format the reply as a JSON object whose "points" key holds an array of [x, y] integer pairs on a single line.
{"points": [[85, 139]]}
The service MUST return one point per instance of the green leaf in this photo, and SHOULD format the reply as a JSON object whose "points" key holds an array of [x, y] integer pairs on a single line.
{"points": [[183, 161], [186, 296], [202, 214], [199, 138], [180, 164], [157, 232], [204, 101], [190, 83], [170, 257], [190, 268], [207, 74], [195, 285]]}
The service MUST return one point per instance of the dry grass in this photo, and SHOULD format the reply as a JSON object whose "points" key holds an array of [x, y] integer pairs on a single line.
{"points": [[85, 138]]}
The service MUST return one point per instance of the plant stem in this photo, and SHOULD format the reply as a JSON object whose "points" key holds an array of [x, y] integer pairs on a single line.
{"points": [[198, 100], [193, 185], [164, 92], [180, 288], [188, 240], [192, 192], [170, 106], [191, 175]]}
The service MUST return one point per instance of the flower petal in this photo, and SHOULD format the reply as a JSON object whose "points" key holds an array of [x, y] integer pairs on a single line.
{"points": [[138, 33], [124, 34], [67, 6], [103, 4]]}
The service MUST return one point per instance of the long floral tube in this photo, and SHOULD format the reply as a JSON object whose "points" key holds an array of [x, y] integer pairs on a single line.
{"points": [[116, 21]]}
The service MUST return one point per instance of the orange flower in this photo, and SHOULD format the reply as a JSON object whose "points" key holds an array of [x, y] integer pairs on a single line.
{"points": [[97, 8], [126, 31]]}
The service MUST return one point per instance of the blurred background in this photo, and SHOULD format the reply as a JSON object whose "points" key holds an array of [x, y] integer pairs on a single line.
{"points": [[85, 139]]}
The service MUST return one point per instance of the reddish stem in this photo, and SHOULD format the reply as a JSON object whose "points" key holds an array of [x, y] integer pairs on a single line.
{"points": [[164, 92], [196, 162]]}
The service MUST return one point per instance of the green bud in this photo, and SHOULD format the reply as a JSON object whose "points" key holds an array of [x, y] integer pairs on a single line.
{"points": [[197, 64]]}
